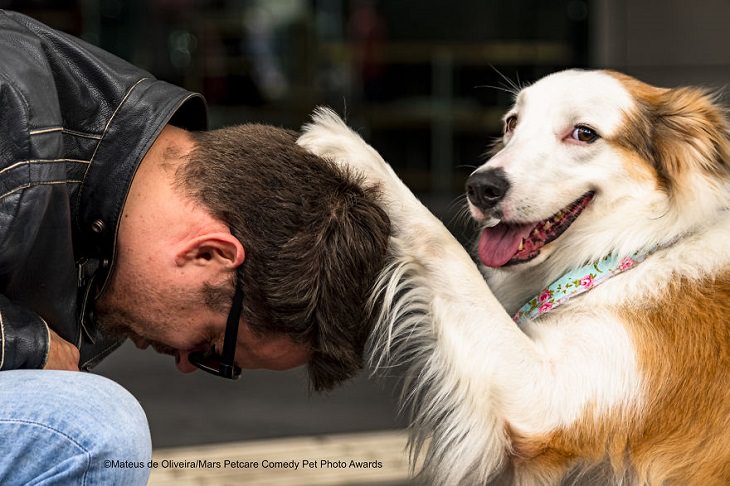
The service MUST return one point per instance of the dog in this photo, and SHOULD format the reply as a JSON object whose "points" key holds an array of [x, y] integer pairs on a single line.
{"points": [[590, 342]]}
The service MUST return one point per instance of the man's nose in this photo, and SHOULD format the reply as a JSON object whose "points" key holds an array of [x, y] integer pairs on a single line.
{"points": [[486, 188]]}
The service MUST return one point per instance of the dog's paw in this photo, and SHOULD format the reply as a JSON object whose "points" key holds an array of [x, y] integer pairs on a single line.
{"points": [[330, 138]]}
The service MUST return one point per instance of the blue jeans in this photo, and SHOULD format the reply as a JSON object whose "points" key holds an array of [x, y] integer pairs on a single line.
{"points": [[70, 428]]}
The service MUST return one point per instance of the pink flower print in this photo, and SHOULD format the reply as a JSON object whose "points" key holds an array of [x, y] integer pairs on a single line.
{"points": [[546, 306], [626, 263], [587, 281], [545, 295]]}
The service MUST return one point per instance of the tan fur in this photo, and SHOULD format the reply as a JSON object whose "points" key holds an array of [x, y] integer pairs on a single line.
{"points": [[676, 131], [683, 347], [637, 167], [680, 436]]}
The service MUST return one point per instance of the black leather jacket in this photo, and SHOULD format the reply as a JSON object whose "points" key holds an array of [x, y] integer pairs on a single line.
{"points": [[75, 122]]}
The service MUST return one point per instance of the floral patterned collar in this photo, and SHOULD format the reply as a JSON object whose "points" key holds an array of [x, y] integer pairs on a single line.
{"points": [[576, 283]]}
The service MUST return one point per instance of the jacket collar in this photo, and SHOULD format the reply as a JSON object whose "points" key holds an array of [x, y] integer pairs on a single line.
{"points": [[131, 130]]}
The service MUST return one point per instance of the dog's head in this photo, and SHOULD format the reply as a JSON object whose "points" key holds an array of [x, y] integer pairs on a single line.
{"points": [[596, 162]]}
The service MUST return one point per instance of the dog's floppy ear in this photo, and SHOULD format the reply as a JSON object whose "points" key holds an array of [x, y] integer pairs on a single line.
{"points": [[690, 132], [677, 131]]}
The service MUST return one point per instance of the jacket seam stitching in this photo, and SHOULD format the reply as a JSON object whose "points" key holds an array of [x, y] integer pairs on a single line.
{"points": [[44, 183], [76, 133], [42, 161]]}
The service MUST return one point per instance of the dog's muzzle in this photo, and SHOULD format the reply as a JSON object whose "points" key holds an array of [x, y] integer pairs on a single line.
{"points": [[485, 189]]}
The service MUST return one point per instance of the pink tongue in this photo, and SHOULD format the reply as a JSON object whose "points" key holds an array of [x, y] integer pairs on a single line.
{"points": [[497, 245]]}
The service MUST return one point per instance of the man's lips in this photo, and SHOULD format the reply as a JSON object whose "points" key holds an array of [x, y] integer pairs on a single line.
{"points": [[181, 357], [139, 342], [183, 363]]}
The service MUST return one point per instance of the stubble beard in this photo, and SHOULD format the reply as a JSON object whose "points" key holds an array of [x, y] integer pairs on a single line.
{"points": [[140, 311]]}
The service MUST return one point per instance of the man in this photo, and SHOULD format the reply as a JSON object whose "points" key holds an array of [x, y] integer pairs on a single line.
{"points": [[119, 218]]}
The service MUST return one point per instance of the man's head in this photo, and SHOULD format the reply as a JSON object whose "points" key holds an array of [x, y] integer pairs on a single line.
{"points": [[307, 239]]}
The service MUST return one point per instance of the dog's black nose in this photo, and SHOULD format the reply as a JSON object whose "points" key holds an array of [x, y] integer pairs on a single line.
{"points": [[486, 188]]}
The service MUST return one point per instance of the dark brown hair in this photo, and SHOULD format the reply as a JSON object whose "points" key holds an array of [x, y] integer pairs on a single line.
{"points": [[315, 240]]}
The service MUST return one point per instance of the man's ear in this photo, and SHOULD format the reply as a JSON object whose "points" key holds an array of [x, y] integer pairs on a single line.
{"points": [[221, 249]]}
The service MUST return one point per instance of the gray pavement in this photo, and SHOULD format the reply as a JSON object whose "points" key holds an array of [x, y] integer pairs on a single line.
{"points": [[198, 408]]}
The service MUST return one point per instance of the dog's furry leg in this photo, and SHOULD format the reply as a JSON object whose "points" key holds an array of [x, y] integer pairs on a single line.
{"points": [[427, 257]]}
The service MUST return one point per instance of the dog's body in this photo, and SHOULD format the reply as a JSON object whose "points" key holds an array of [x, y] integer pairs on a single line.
{"points": [[628, 383]]}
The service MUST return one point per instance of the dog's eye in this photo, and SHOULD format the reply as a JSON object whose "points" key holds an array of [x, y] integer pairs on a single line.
{"points": [[584, 134], [510, 123]]}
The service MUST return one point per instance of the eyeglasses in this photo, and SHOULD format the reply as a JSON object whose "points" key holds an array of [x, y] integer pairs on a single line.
{"points": [[224, 365]]}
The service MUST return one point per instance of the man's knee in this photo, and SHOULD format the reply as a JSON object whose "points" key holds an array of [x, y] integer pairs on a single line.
{"points": [[94, 428], [118, 421], [121, 449]]}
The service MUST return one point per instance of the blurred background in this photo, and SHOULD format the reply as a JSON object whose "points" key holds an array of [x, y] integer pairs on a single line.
{"points": [[424, 81]]}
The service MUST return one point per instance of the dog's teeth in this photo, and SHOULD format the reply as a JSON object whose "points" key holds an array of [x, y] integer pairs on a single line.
{"points": [[488, 223], [522, 246], [547, 225]]}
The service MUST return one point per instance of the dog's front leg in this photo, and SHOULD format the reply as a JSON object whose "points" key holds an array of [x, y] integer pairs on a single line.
{"points": [[465, 339]]}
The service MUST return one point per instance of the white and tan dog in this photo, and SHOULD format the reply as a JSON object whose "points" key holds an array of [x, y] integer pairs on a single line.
{"points": [[619, 372]]}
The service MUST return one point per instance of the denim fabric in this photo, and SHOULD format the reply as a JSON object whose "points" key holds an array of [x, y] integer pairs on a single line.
{"points": [[70, 428]]}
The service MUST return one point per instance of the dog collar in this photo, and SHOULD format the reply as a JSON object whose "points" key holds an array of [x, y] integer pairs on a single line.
{"points": [[577, 282]]}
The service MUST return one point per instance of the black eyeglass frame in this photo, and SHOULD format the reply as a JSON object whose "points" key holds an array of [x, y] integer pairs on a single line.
{"points": [[223, 364]]}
